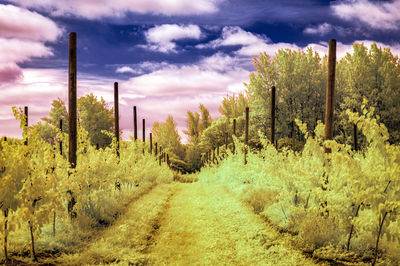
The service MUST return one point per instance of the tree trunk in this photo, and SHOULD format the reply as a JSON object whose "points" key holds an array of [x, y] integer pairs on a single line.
{"points": [[34, 258]]}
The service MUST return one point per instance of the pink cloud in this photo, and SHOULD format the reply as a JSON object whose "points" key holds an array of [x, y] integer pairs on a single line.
{"points": [[9, 72], [102, 8], [378, 15], [16, 22], [22, 37], [18, 51]]}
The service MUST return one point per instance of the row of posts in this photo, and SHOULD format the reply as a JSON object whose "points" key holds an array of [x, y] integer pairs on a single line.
{"points": [[72, 109]]}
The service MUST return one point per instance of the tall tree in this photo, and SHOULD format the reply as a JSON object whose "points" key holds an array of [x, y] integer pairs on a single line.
{"points": [[205, 117], [166, 135], [232, 107], [94, 116]]}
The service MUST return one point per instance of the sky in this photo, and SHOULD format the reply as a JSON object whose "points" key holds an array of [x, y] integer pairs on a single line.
{"points": [[168, 56]]}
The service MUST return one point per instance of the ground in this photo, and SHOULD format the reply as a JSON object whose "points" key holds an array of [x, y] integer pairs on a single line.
{"points": [[189, 224]]}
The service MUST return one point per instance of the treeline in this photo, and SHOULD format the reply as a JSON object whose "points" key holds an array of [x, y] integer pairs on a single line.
{"points": [[300, 79]]}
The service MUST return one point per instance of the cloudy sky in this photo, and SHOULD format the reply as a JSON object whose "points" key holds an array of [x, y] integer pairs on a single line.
{"points": [[167, 55]]}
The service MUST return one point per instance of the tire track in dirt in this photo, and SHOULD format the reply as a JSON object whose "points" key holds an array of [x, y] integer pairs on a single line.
{"points": [[206, 225], [130, 238]]}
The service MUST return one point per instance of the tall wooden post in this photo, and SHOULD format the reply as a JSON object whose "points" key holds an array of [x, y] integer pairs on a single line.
{"points": [[144, 134], [151, 143], [273, 91], [355, 134], [26, 124], [134, 123], [144, 131], [72, 100], [61, 129], [246, 135], [116, 116], [233, 134], [330, 92]]}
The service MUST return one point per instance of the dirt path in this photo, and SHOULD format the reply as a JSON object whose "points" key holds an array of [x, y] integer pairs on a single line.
{"points": [[206, 225], [189, 224]]}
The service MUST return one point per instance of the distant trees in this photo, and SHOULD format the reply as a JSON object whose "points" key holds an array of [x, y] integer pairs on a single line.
{"points": [[300, 79], [167, 136], [93, 114]]}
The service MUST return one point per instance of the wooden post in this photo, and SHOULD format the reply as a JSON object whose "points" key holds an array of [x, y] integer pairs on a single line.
{"points": [[116, 116], [61, 128], [151, 143], [355, 134], [330, 92], [134, 123], [155, 149], [72, 100], [246, 135], [233, 134], [160, 156], [26, 124], [144, 133], [273, 91], [226, 142], [144, 130]]}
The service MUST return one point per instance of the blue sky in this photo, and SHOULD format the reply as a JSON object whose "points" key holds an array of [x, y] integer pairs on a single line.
{"points": [[168, 56]]}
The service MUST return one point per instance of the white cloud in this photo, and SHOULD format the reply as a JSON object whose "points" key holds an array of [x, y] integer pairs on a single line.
{"points": [[115, 8], [125, 69], [160, 38], [378, 15], [251, 44], [21, 23], [321, 29], [326, 28]]}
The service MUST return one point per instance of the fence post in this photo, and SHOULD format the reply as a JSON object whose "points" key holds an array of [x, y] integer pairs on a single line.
{"points": [[116, 116], [61, 128], [246, 135], [151, 143], [273, 91], [330, 92], [134, 123], [144, 133], [72, 100], [26, 124], [355, 134], [233, 134]]}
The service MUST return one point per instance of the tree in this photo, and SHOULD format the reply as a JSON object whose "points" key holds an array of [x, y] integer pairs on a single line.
{"points": [[300, 79], [373, 74], [94, 117], [58, 112], [232, 107], [93, 114], [205, 117], [167, 136]]}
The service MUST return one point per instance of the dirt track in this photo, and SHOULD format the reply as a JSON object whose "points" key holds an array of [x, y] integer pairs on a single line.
{"points": [[190, 224]]}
